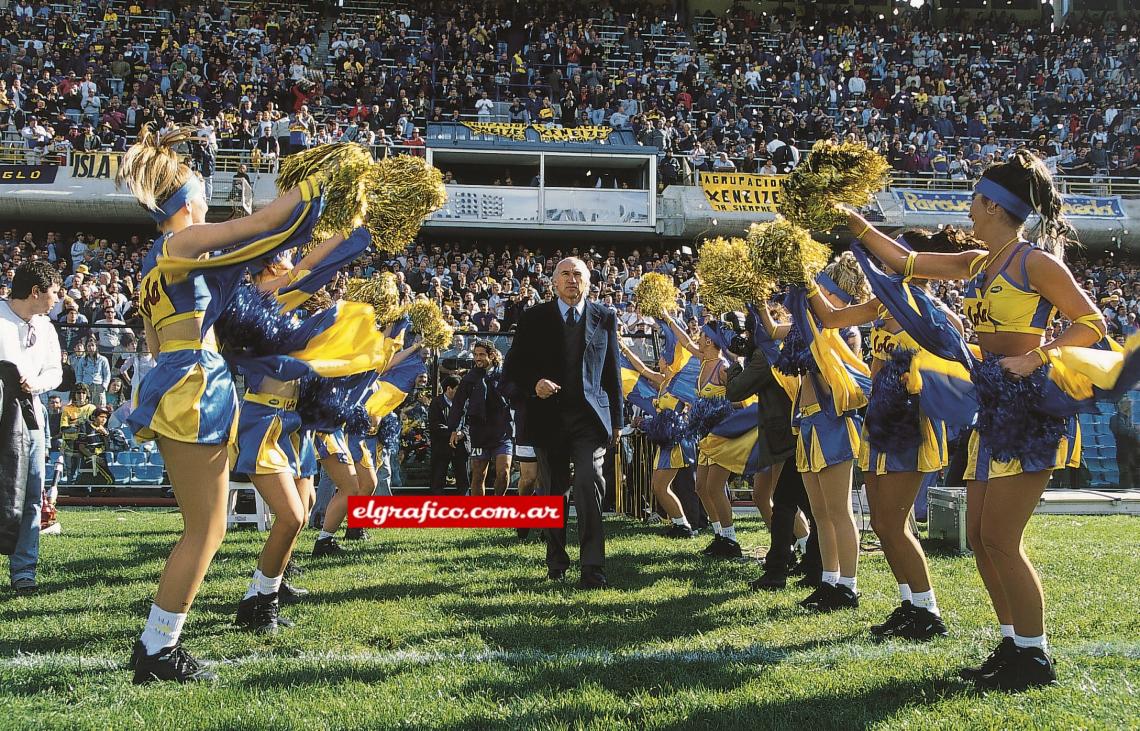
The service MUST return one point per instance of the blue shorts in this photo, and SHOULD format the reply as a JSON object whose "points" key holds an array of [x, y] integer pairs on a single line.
{"points": [[268, 435], [307, 465], [824, 440], [504, 448], [332, 445]]}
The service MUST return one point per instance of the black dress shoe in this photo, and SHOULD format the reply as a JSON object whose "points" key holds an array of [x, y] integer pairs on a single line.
{"points": [[170, 663], [289, 594], [593, 579], [769, 581], [727, 548], [556, 574]]}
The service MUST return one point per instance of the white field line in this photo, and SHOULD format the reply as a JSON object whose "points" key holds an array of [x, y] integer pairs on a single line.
{"points": [[826, 655]]}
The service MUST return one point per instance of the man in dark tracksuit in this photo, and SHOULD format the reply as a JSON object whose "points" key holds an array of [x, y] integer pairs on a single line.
{"points": [[777, 447]]}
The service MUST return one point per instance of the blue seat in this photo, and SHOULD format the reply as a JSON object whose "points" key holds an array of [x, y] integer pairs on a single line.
{"points": [[156, 459], [131, 458], [121, 474], [147, 474]]}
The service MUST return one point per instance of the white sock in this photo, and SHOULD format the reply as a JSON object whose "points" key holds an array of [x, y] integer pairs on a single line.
{"points": [[717, 529], [269, 585], [254, 585], [325, 534], [1007, 630], [681, 521], [1039, 641], [926, 600], [904, 593], [801, 544], [848, 581], [162, 630], [729, 532], [831, 577]]}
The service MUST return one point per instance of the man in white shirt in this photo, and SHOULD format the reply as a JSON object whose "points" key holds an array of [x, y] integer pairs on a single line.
{"points": [[28, 341]]}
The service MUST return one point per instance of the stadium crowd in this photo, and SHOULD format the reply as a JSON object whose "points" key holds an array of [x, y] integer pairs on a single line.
{"points": [[740, 92]]}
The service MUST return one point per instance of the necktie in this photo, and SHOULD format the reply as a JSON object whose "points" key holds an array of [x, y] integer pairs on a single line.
{"points": [[571, 320]]}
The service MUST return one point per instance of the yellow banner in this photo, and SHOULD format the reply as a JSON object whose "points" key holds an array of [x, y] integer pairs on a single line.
{"points": [[510, 130], [515, 131], [102, 165], [572, 134], [742, 192]]}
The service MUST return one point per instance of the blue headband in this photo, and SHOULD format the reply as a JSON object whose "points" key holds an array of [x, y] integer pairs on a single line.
{"points": [[189, 190], [829, 284], [715, 333], [1001, 195]]}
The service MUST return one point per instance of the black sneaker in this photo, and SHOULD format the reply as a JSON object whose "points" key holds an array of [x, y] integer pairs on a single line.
{"points": [[840, 597], [1024, 668], [356, 534], [289, 594], [810, 580], [170, 663], [996, 659], [259, 613], [711, 549], [924, 625], [728, 548], [522, 533], [769, 581], [817, 598], [327, 547], [894, 620], [680, 531], [293, 571]]}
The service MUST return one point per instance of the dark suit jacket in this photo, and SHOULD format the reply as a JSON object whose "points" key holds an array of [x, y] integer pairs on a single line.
{"points": [[537, 353], [438, 430], [776, 441]]}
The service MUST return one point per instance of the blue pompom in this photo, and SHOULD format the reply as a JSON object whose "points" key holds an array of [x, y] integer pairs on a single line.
{"points": [[892, 413], [707, 413], [795, 356], [389, 432], [324, 404], [666, 427], [1010, 418], [254, 325], [357, 422]]}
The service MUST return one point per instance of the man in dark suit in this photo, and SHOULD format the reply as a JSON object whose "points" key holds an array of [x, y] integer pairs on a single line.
{"points": [[564, 362], [777, 446], [442, 453]]}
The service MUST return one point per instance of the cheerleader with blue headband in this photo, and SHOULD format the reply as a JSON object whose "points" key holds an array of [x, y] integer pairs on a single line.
{"points": [[1028, 390], [834, 384], [187, 403]]}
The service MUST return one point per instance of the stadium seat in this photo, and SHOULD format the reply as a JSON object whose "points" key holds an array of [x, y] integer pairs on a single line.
{"points": [[131, 458], [156, 459], [120, 473], [147, 474]]}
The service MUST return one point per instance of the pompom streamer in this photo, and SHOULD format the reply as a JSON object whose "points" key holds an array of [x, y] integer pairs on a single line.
{"points": [[727, 281], [785, 252], [795, 356], [344, 167], [254, 324], [848, 173], [1011, 418], [656, 295], [325, 403], [381, 292], [666, 427], [388, 435], [707, 413], [401, 191], [427, 322], [892, 413]]}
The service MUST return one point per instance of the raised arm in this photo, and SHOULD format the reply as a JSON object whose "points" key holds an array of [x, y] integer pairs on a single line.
{"points": [[962, 265], [202, 238], [638, 365], [776, 331], [835, 317], [682, 337]]}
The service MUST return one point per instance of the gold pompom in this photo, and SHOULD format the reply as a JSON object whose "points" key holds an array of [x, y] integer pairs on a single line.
{"points": [[401, 191], [427, 322], [848, 172], [728, 281], [784, 252], [322, 159], [344, 166], [656, 295], [381, 292]]}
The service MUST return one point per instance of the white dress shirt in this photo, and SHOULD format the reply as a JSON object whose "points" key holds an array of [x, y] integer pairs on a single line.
{"points": [[40, 364]]}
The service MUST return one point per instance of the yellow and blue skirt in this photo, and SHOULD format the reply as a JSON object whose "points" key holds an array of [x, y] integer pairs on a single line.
{"points": [[733, 443], [269, 438], [676, 456], [359, 451], [188, 396], [931, 454], [981, 466], [307, 465], [332, 445], [823, 440]]}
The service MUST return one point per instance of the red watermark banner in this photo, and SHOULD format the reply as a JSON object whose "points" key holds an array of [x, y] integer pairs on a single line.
{"points": [[455, 511]]}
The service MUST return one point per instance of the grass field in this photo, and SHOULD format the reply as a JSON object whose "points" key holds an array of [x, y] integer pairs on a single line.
{"points": [[461, 630]]}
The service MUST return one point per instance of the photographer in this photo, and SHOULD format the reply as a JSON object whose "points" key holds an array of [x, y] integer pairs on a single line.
{"points": [[777, 445]]}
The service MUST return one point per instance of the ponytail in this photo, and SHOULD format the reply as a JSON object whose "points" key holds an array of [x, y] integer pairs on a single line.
{"points": [[152, 169], [1026, 177], [846, 272]]}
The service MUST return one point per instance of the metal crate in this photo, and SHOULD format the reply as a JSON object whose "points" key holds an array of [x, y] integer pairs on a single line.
{"points": [[946, 517]]}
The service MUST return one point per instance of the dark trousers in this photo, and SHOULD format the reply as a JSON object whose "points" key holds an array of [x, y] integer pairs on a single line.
{"points": [[789, 497], [586, 450], [442, 457]]}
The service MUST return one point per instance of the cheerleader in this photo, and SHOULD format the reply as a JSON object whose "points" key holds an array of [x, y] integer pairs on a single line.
{"points": [[895, 472], [672, 457], [1015, 287], [188, 402], [714, 454], [827, 425]]}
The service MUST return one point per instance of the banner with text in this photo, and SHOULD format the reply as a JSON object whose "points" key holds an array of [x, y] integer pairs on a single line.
{"points": [[742, 192], [934, 202], [101, 165], [27, 174], [517, 132]]}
